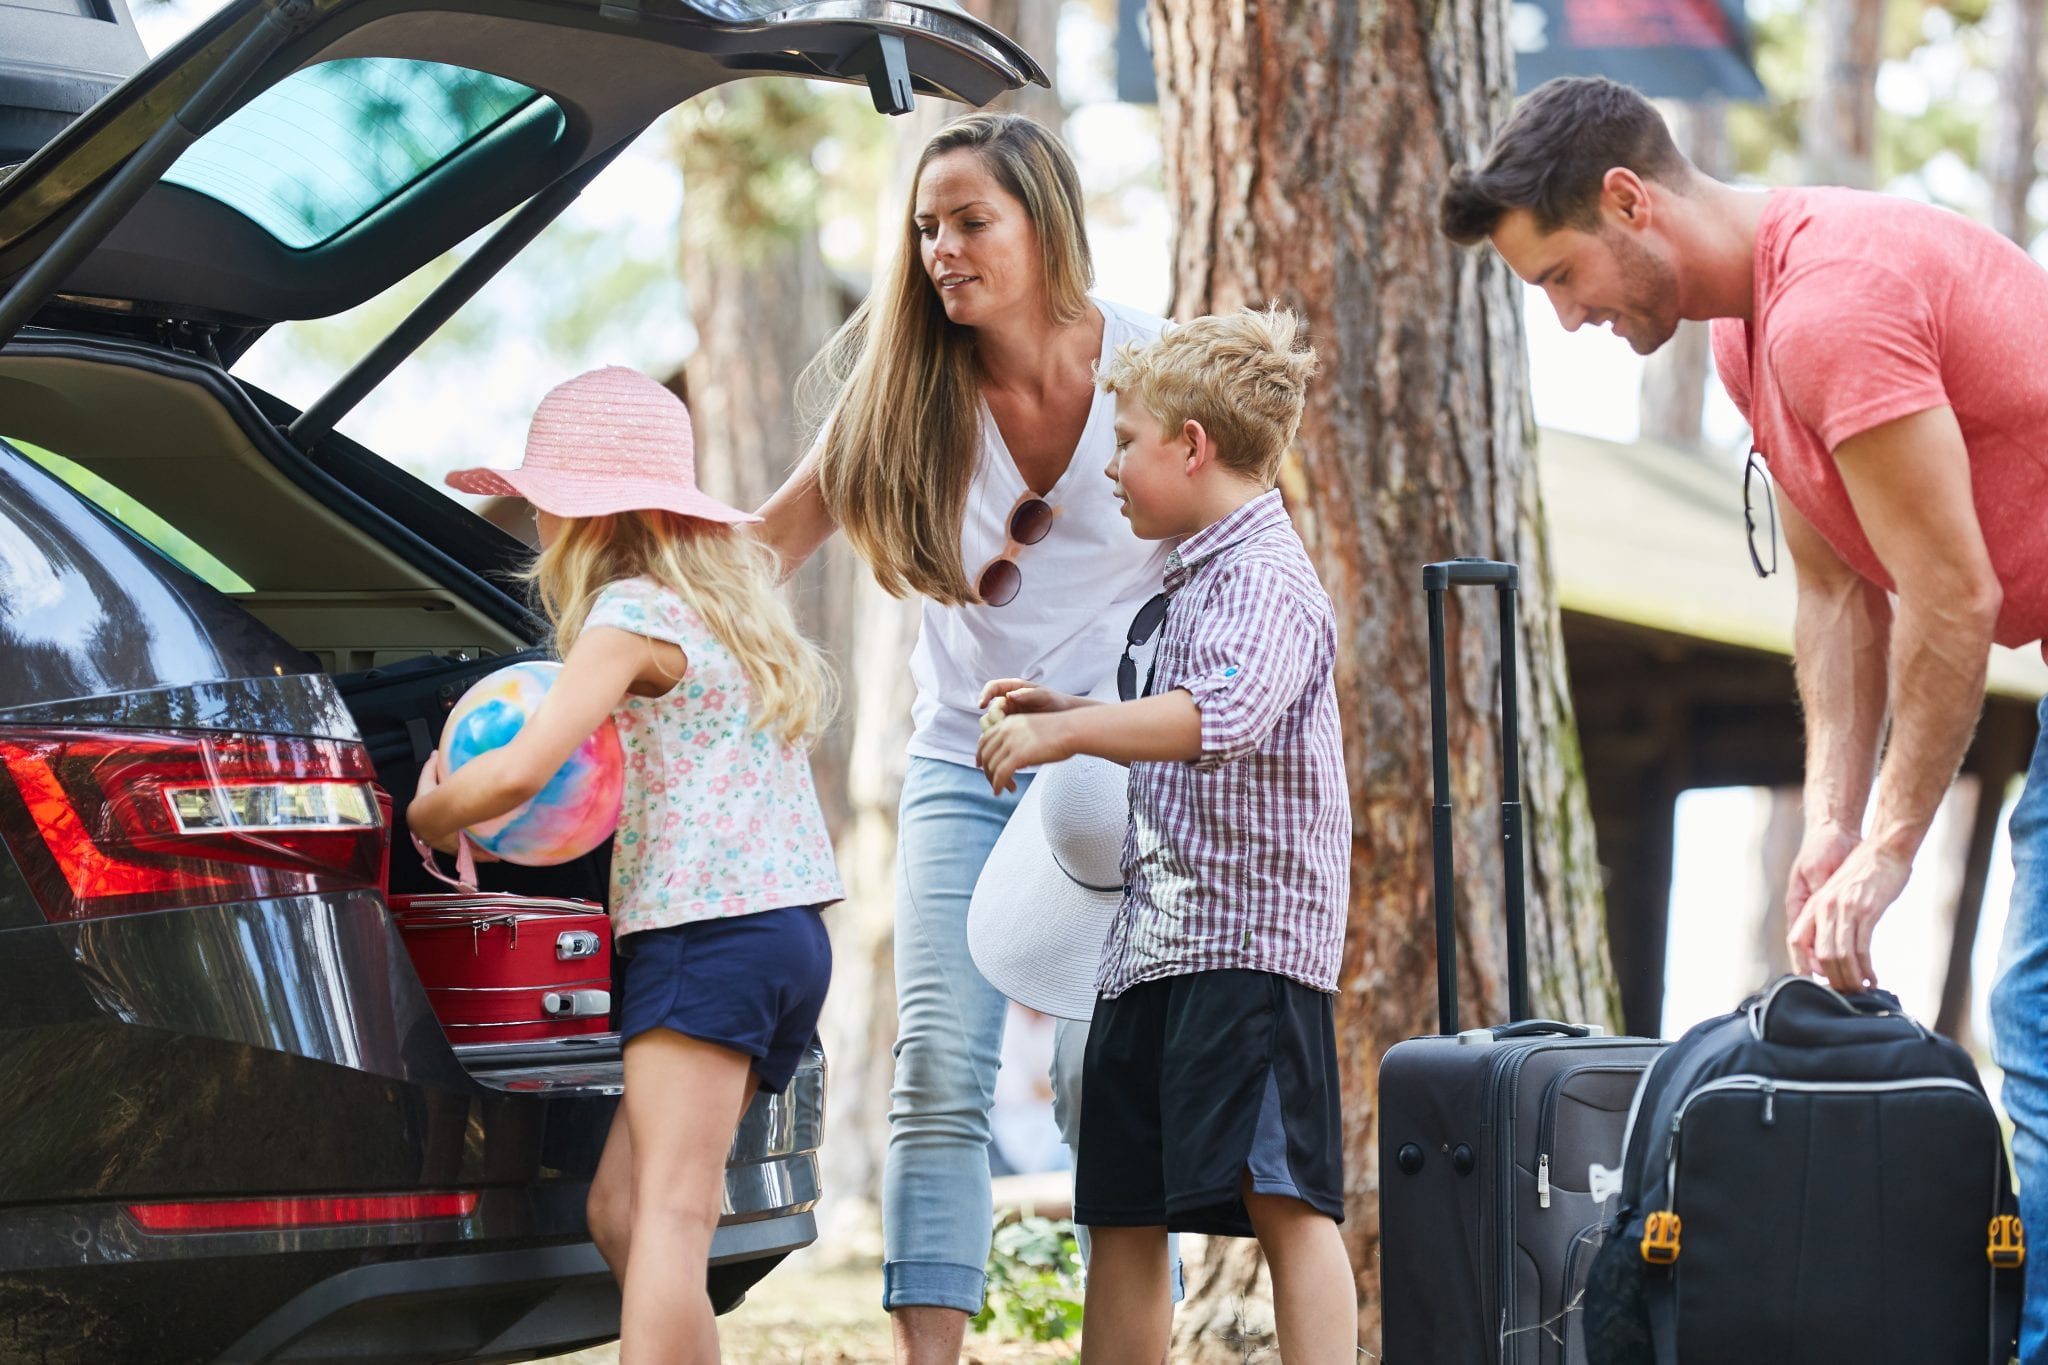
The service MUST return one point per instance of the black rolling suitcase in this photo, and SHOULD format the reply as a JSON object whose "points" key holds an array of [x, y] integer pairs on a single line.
{"points": [[1487, 1220]]}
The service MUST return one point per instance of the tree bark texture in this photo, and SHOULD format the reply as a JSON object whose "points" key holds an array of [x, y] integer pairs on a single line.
{"points": [[1035, 24], [763, 300], [1674, 391], [1306, 146], [2015, 130], [1838, 136]]}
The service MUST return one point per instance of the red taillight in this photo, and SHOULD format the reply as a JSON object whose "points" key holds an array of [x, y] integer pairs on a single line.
{"points": [[239, 1215], [116, 822]]}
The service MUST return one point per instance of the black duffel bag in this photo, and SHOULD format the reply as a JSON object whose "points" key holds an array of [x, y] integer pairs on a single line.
{"points": [[1814, 1177]]}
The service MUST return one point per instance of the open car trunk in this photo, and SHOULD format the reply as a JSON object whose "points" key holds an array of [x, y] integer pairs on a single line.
{"points": [[291, 159], [326, 583]]}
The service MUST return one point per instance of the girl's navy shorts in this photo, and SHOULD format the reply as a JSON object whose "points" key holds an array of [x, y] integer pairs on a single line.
{"points": [[752, 983]]}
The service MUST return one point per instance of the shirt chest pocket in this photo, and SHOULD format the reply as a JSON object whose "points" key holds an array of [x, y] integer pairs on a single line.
{"points": [[1173, 663]]}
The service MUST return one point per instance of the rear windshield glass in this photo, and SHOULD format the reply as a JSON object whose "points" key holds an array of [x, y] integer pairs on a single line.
{"points": [[328, 146], [166, 539]]}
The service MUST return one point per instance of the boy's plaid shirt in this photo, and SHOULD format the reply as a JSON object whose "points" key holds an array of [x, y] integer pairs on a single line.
{"points": [[1241, 858]]}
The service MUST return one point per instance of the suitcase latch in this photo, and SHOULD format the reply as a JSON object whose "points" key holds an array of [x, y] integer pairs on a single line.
{"points": [[575, 1004], [574, 944], [1660, 1238], [2008, 1248]]}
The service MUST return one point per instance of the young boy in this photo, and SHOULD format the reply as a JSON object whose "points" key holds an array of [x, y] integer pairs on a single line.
{"points": [[1210, 1079]]}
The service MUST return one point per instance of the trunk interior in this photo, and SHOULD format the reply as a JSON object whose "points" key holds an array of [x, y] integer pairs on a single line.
{"points": [[336, 575]]}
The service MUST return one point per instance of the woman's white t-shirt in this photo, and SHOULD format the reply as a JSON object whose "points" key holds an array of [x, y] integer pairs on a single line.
{"points": [[1081, 585]]}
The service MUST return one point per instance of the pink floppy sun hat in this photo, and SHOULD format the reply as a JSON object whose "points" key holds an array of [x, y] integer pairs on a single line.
{"points": [[610, 440]]}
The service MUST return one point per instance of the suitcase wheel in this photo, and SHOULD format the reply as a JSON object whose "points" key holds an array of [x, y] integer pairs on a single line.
{"points": [[1660, 1238]]}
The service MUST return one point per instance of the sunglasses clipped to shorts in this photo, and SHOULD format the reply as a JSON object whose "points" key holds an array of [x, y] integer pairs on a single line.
{"points": [[1030, 521]]}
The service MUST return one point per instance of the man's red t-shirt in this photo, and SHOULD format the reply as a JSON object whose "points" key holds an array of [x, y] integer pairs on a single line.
{"points": [[1871, 308]]}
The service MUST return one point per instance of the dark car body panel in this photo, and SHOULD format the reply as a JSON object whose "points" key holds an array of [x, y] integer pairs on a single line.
{"points": [[458, 550], [86, 610]]}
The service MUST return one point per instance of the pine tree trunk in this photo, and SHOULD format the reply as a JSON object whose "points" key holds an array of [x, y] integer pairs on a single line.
{"points": [[1838, 136], [2015, 135], [1306, 146], [757, 320]]}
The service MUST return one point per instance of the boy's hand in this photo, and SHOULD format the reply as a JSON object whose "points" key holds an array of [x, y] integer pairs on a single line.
{"points": [[1018, 696], [1020, 741]]}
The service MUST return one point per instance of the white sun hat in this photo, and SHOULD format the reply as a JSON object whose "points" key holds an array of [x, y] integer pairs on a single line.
{"points": [[1051, 886]]}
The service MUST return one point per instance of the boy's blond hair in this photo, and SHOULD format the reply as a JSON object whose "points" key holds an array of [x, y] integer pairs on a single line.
{"points": [[726, 576], [1240, 375]]}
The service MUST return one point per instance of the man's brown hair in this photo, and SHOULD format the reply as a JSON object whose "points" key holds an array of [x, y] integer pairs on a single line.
{"points": [[1552, 156]]}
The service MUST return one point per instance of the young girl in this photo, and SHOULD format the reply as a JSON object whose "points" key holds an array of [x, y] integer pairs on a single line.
{"points": [[667, 620]]}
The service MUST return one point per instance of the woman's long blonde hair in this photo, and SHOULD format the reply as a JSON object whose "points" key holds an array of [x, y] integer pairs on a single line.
{"points": [[899, 380], [729, 579]]}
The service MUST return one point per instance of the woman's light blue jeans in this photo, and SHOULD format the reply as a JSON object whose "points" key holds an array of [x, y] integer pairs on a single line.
{"points": [[937, 1214], [2019, 1031]]}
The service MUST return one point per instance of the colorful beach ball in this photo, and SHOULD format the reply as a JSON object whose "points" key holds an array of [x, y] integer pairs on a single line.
{"points": [[579, 807]]}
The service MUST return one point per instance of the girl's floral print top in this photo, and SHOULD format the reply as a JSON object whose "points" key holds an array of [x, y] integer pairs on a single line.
{"points": [[719, 818]]}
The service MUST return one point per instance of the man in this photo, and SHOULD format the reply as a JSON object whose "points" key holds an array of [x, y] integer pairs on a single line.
{"points": [[1890, 357]]}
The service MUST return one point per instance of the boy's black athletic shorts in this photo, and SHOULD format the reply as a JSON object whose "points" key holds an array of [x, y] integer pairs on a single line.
{"points": [[1192, 1081]]}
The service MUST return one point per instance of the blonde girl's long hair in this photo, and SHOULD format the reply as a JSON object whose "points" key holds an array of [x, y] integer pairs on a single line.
{"points": [[728, 578], [898, 389]]}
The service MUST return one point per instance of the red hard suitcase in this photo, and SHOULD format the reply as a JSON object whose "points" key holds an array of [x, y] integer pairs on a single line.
{"points": [[504, 968]]}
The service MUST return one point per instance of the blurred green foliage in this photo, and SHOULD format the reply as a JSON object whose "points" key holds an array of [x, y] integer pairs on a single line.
{"points": [[765, 162], [1034, 1279], [1944, 49]]}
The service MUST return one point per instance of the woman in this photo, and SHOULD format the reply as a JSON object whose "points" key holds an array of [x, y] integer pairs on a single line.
{"points": [[963, 458]]}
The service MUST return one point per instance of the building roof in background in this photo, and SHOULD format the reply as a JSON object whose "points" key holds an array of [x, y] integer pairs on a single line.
{"points": [[1652, 536]]}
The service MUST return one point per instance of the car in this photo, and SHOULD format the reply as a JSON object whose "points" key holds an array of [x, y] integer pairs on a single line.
{"points": [[233, 1128]]}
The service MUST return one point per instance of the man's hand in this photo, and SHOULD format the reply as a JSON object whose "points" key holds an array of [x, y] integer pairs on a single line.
{"points": [[1831, 934], [1021, 741]]}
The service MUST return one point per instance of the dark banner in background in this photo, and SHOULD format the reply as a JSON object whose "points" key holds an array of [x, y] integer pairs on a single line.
{"points": [[1135, 83], [1668, 49]]}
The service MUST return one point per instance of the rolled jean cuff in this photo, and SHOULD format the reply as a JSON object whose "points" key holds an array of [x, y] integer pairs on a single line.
{"points": [[932, 1284]]}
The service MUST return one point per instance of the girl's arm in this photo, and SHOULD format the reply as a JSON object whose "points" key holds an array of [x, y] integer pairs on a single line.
{"points": [[603, 666], [794, 522]]}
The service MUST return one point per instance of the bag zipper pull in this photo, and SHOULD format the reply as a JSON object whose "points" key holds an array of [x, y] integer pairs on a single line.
{"points": [[1543, 1181], [1770, 1097]]}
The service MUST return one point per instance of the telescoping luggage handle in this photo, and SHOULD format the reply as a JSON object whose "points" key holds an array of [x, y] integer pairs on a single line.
{"points": [[1504, 579]]}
